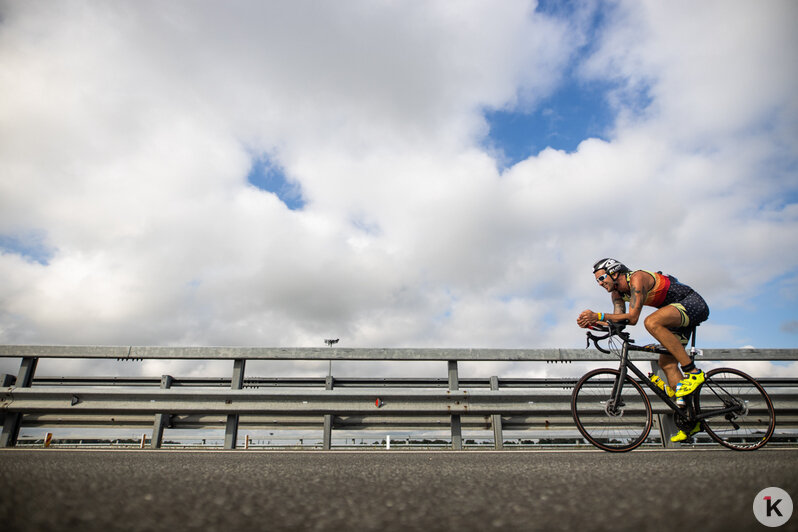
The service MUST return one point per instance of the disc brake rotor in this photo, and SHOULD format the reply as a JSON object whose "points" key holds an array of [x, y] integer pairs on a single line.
{"points": [[613, 410]]}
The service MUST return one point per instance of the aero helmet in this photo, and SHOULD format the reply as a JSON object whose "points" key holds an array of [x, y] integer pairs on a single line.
{"points": [[611, 266]]}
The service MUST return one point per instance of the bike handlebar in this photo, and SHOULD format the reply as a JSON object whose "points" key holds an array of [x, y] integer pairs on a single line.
{"points": [[612, 328]]}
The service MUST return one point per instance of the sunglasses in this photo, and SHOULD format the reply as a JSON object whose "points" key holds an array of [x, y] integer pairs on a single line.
{"points": [[600, 278]]}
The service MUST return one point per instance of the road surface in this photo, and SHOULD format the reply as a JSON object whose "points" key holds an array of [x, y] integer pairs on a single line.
{"points": [[86, 490]]}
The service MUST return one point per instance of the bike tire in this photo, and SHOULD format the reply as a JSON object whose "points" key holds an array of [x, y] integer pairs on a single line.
{"points": [[752, 425], [612, 430]]}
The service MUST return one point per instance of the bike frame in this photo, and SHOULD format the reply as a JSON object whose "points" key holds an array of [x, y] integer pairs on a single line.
{"points": [[627, 365], [687, 413]]}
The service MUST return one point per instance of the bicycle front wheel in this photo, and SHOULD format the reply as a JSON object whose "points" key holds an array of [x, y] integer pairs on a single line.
{"points": [[614, 427], [749, 420]]}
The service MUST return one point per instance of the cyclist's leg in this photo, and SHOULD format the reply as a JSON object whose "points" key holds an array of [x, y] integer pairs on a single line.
{"points": [[659, 324], [670, 366], [693, 310]]}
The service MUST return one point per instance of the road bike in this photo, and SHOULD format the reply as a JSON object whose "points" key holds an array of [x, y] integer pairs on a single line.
{"points": [[614, 413]]}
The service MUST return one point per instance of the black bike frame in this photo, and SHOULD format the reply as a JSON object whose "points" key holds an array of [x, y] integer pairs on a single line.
{"points": [[626, 364], [688, 413]]}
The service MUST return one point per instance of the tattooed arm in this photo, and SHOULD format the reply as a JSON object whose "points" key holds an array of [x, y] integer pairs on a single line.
{"points": [[618, 304], [639, 293], [640, 284]]}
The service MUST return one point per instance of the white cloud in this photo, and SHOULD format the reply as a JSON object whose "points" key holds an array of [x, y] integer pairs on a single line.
{"points": [[128, 131], [711, 69]]}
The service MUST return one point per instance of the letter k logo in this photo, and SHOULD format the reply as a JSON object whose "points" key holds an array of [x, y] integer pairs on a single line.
{"points": [[772, 506]]}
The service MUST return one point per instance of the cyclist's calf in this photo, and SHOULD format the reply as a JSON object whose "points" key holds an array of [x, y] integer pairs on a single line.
{"points": [[670, 366]]}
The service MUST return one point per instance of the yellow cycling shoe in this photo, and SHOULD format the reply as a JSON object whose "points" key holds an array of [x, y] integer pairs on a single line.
{"points": [[682, 435], [689, 384]]}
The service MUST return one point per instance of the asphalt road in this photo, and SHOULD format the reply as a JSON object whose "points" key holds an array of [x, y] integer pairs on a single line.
{"points": [[513, 490]]}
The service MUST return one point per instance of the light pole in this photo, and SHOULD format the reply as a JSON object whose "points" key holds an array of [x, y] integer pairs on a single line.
{"points": [[330, 343]]}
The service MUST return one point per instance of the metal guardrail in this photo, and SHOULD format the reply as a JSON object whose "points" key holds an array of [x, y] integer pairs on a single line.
{"points": [[310, 353], [342, 404]]}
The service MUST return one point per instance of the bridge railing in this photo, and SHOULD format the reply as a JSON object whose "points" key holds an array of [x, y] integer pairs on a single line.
{"points": [[491, 403]]}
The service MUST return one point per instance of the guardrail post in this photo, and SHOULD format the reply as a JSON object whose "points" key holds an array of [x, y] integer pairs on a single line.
{"points": [[13, 420], [160, 419], [667, 427], [498, 438], [236, 383], [454, 385], [6, 380], [328, 418]]}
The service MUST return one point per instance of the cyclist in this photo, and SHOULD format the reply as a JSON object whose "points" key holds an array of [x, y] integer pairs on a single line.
{"points": [[679, 308]]}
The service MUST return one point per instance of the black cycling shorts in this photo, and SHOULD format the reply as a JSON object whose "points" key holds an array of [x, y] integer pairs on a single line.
{"points": [[693, 309]]}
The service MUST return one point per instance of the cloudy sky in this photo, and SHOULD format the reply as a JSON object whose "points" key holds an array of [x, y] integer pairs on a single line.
{"points": [[392, 173]]}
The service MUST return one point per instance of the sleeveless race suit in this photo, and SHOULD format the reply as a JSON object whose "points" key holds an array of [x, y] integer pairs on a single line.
{"points": [[667, 290]]}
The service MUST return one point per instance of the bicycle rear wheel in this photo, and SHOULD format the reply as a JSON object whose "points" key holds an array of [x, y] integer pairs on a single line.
{"points": [[612, 427], [752, 421]]}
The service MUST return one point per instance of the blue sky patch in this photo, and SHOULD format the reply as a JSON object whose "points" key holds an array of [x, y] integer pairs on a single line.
{"points": [[268, 176], [575, 112], [768, 316], [30, 246]]}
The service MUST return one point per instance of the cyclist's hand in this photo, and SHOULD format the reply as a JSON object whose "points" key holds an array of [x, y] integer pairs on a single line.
{"points": [[586, 319]]}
